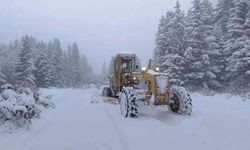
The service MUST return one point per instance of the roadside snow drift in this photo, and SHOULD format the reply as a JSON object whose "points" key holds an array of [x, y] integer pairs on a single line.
{"points": [[82, 121]]}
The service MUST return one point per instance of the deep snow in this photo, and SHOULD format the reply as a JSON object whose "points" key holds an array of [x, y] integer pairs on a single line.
{"points": [[82, 121]]}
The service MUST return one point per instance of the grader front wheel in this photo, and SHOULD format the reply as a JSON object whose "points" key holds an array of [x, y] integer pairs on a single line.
{"points": [[128, 102], [107, 92], [180, 101]]}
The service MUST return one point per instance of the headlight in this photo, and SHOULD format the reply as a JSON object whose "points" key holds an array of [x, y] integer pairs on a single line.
{"points": [[157, 69], [143, 68], [134, 78]]}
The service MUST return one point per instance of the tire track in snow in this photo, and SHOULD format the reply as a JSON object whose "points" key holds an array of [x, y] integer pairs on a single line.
{"points": [[118, 131]]}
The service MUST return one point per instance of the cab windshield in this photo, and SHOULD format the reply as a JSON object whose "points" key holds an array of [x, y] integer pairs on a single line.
{"points": [[127, 66]]}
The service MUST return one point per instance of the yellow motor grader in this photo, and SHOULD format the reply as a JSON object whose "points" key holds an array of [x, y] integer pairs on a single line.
{"points": [[131, 84]]}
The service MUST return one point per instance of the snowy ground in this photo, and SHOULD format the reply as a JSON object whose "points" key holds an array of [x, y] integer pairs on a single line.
{"points": [[217, 123]]}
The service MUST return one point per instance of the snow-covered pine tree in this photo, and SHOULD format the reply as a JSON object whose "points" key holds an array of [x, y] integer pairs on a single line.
{"points": [[15, 51], [247, 46], [213, 48], [2, 77], [90, 71], [217, 57], [57, 62], [67, 67], [51, 66], [85, 70], [174, 53], [158, 51], [34, 49], [218, 38], [42, 68], [247, 24], [195, 39], [5, 62], [75, 64], [24, 66], [222, 15], [207, 17], [162, 40], [9, 58], [65, 63], [234, 46], [104, 71], [197, 71], [111, 65]]}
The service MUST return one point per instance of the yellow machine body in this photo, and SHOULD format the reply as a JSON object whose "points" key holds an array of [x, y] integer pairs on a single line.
{"points": [[127, 73]]}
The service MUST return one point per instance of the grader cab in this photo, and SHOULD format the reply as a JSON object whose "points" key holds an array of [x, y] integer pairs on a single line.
{"points": [[132, 84]]}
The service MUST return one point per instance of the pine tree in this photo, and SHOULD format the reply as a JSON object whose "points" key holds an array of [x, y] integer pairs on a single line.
{"points": [[247, 24], [196, 43], [111, 65], [158, 51], [217, 40], [45, 63], [24, 67], [42, 71], [207, 17], [8, 56], [213, 47], [66, 66], [234, 46], [222, 15], [104, 71], [198, 74], [90, 71], [85, 72], [247, 45], [75, 64], [2, 77], [34, 49], [161, 41], [174, 54], [51, 66], [57, 62], [217, 57]]}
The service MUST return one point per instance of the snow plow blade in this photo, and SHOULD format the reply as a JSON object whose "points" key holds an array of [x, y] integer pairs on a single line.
{"points": [[111, 100]]}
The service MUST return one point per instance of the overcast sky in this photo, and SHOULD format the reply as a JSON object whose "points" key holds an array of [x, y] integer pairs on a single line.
{"points": [[101, 28]]}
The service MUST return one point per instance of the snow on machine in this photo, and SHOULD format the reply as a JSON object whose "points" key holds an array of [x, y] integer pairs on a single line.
{"points": [[132, 85]]}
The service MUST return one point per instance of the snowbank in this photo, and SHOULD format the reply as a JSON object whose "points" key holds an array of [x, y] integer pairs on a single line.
{"points": [[18, 108]]}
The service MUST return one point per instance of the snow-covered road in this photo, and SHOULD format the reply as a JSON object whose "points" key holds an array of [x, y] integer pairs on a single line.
{"points": [[217, 123]]}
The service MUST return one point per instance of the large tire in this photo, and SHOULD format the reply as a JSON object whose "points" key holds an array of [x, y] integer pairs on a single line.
{"points": [[107, 92], [128, 102], [180, 101]]}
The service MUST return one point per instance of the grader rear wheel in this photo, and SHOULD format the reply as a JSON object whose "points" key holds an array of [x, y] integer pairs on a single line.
{"points": [[128, 102], [180, 101]]}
